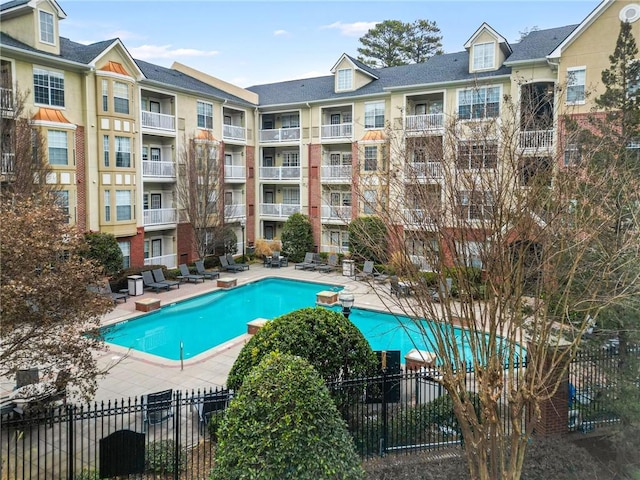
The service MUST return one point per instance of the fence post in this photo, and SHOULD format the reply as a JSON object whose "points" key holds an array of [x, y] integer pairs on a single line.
{"points": [[70, 443], [176, 443], [383, 442]]}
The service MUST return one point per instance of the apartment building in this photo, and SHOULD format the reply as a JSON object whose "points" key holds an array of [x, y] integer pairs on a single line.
{"points": [[116, 126]]}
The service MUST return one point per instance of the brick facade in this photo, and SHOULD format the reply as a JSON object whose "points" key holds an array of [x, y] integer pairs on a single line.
{"points": [[81, 180]]}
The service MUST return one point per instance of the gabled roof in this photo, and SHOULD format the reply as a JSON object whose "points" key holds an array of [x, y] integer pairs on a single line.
{"points": [[357, 64], [485, 27], [15, 6], [537, 45]]}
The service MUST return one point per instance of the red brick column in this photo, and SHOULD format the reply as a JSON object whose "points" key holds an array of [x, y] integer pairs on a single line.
{"points": [[554, 412], [81, 180], [315, 192]]}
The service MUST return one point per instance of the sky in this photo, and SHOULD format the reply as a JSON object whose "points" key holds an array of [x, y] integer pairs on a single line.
{"points": [[257, 42]]}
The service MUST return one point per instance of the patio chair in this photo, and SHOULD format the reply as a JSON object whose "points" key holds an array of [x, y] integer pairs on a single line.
{"points": [[399, 288], [232, 261], [224, 263], [158, 275], [187, 276], [332, 264], [150, 283], [156, 407], [105, 289], [275, 260], [307, 263], [210, 274], [211, 403]]}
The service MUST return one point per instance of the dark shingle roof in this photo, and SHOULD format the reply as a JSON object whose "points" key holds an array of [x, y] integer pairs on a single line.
{"points": [[12, 4], [450, 67], [81, 53]]}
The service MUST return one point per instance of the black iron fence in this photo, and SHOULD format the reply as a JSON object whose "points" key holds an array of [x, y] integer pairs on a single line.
{"points": [[171, 434]]}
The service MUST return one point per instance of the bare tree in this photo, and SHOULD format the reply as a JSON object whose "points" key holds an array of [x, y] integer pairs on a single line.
{"points": [[495, 235], [199, 181]]}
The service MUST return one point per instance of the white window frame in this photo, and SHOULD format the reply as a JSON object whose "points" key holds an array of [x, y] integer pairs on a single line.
{"points": [[477, 99], [290, 120], [121, 97], [344, 79], [123, 151], [105, 150], [58, 142], [374, 115], [123, 199], [51, 83], [484, 56], [370, 202], [290, 196], [105, 95], [47, 27], [204, 111], [125, 248], [479, 155], [107, 205], [576, 85], [62, 200], [370, 158], [290, 159]]}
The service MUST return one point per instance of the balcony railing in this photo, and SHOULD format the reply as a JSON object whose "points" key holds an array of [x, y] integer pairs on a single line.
{"points": [[283, 210], [158, 121], [336, 213], [423, 170], [336, 173], [8, 164], [342, 130], [234, 172], [152, 168], [536, 140], [414, 216], [6, 99], [280, 135], [424, 123], [280, 173], [234, 132], [160, 216], [334, 248], [167, 260], [234, 211]]}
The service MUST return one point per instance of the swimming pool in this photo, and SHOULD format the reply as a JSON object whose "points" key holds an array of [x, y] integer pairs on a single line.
{"points": [[210, 320]]}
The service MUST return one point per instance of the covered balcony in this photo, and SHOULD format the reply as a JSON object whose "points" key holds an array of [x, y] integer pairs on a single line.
{"points": [[6, 100], [157, 113], [417, 171], [234, 132], [336, 214], [280, 135], [233, 125], [152, 168], [280, 173], [7, 164], [234, 173], [414, 217], [424, 114], [234, 212], [342, 131], [160, 216], [337, 123], [536, 118], [167, 260], [336, 173], [280, 127], [158, 121], [279, 210]]}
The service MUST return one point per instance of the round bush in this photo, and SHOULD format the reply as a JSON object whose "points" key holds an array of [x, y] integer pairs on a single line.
{"points": [[283, 424]]}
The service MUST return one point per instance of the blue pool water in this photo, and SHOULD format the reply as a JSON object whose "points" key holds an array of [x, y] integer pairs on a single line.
{"points": [[213, 319]]}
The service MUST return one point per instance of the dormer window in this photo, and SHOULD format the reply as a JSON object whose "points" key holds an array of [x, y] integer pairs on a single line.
{"points": [[345, 79], [46, 27], [483, 56]]}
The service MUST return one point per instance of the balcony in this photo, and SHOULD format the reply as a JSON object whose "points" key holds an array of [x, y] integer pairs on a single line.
{"points": [[280, 210], [280, 173], [158, 121], [335, 213], [160, 216], [424, 123], [233, 132], [167, 260], [8, 164], [280, 135], [416, 217], [334, 248], [336, 173], [536, 140], [340, 131], [6, 99], [234, 212], [234, 173], [152, 168], [423, 171]]}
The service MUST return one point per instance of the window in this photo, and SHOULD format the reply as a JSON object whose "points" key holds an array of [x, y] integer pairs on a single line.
{"points": [[291, 196], [125, 248], [374, 115], [205, 115], [48, 87], [572, 155], [290, 121], [345, 79], [477, 155], [633, 82], [62, 200], [123, 205], [46, 27], [120, 97], [483, 56], [475, 205], [370, 159], [57, 142], [107, 205], [470, 253], [105, 96], [370, 201], [123, 152], [479, 103], [105, 149], [576, 85], [291, 159]]}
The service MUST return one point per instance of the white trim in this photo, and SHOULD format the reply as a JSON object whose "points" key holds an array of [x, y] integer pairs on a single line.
{"points": [[53, 26], [54, 125], [636, 15]]}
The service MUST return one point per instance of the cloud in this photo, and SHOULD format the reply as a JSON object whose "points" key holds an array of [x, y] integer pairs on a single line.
{"points": [[280, 33], [355, 29], [146, 52]]}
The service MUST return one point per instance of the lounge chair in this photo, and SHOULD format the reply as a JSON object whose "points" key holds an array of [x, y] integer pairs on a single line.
{"points": [[275, 260], [210, 274], [149, 282], [231, 261], [105, 289], [158, 275], [332, 264], [307, 263], [156, 407], [224, 263], [369, 272], [187, 276], [284, 261], [399, 288], [211, 403]]}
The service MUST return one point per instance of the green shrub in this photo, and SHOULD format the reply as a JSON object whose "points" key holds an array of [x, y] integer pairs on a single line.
{"points": [[297, 237], [368, 239], [214, 425], [87, 474], [160, 457], [283, 425], [331, 343], [104, 249]]}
